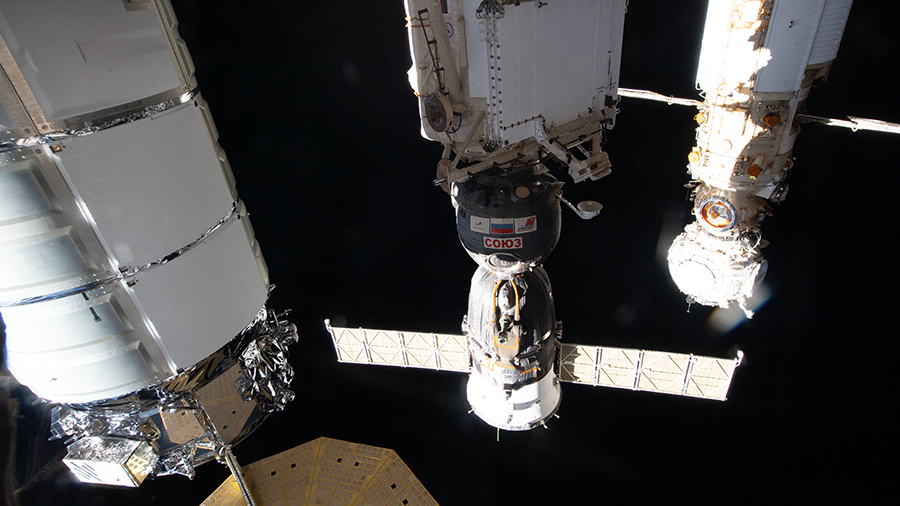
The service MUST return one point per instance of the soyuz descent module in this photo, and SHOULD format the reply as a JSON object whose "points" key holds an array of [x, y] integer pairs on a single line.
{"points": [[513, 89], [131, 285]]}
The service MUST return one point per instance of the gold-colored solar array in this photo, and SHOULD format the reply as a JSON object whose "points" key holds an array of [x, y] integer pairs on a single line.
{"points": [[224, 405], [181, 425], [327, 472], [227, 494]]}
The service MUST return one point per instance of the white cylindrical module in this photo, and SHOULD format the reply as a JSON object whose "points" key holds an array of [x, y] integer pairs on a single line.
{"points": [[757, 64], [511, 81], [512, 62], [125, 255]]}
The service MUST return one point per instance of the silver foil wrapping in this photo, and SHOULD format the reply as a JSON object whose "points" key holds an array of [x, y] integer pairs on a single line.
{"points": [[265, 362], [181, 422]]}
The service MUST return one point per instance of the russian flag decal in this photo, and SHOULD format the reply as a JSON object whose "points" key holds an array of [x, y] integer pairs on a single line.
{"points": [[503, 226]]}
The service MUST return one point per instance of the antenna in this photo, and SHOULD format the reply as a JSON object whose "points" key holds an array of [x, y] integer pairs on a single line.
{"points": [[586, 209], [853, 123]]}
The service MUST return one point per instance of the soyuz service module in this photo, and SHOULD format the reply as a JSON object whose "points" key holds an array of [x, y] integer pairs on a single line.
{"points": [[131, 285], [513, 89]]}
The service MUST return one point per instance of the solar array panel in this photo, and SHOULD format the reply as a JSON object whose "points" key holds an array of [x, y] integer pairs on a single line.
{"points": [[653, 371], [441, 352], [327, 472]]}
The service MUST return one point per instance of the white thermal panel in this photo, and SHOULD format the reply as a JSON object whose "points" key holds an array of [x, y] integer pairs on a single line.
{"points": [[79, 57], [152, 187], [789, 39], [553, 60]]}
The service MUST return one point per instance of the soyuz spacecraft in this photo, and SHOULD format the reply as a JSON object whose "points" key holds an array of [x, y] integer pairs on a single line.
{"points": [[131, 285], [513, 89], [757, 65]]}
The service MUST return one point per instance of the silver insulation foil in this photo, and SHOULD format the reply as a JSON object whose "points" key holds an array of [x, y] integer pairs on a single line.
{"points": [[265, 364], [89, 127], [217, 402]]}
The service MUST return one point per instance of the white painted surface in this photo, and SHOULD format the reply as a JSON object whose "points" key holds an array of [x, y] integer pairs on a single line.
{"points": [[525, 408], [79, 57], [146, 189], [554, 59], [830, 31], [152, 186], [789, 40]]}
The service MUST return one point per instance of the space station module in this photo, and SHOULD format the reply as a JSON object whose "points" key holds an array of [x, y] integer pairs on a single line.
{"points": [[757, 64], [131, 285]]}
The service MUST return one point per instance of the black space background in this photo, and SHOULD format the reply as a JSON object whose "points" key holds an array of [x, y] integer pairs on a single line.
{"points": [[314, 109]]}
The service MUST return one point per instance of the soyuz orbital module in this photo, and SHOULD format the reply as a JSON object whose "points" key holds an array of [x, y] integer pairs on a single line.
{"points": [[131, 286]]}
